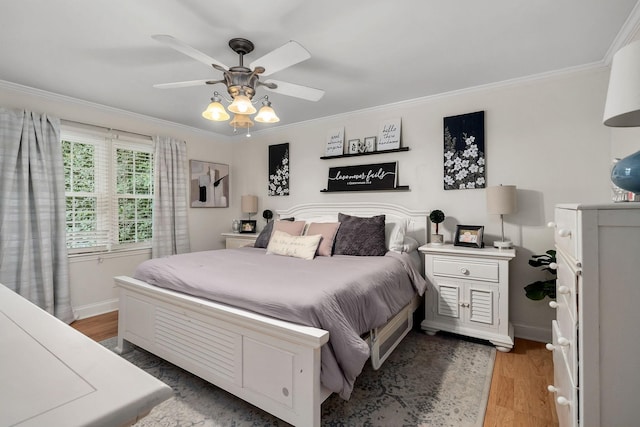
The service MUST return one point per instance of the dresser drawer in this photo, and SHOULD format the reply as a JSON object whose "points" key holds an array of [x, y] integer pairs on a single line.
{"points": [[566, 344], [564, 388], [463, 268], [566, 226]]}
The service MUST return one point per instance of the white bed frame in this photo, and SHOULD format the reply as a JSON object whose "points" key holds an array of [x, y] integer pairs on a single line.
{"points": [[272, 364]]}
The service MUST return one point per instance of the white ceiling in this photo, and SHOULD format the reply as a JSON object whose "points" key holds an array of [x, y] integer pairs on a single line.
{"points": [[365, 53]]}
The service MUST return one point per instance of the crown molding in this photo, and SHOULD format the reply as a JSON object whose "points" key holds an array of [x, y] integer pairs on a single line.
{"points": [[51, 96], [630, 30]]}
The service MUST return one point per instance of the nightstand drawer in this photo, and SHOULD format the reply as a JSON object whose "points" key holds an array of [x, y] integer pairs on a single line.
{"points": [[463, 268]]}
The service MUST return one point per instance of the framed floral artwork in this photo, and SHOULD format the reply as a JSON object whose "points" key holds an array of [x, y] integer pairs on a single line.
{"points": [[464, 152], [278, 170]]}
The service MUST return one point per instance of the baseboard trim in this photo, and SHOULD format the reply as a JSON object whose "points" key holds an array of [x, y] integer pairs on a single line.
{"points": [[90, 310], [533, 333]]}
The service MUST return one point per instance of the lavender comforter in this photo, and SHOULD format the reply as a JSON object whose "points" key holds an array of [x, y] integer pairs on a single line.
{"points": [[344, 295]]}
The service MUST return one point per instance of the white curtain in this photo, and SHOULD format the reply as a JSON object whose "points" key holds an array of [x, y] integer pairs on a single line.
{"points": [[33, 249], [170, 225]]}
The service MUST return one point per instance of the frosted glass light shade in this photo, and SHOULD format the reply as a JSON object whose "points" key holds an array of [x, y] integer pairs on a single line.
{"points": [[501, 199], [216, 112], [242, 105], [249, 204], [267, 115], [241, 121], [622, 108]]}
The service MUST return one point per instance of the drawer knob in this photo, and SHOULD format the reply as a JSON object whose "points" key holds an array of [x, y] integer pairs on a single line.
{"points": [[550, 347], [553, 265], [464, 270], [564, 290], [553, 304], [551, 224], [563, 232], [563, 401], [563, 341], [552, 389]]}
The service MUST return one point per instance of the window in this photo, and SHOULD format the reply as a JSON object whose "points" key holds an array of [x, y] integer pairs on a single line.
{"points": [[109, 191]]}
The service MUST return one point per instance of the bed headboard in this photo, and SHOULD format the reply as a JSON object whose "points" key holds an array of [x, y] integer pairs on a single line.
{"points": [[325, 212]]}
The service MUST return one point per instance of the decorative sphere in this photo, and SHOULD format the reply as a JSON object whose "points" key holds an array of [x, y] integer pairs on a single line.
{"points": [[626, 173]]}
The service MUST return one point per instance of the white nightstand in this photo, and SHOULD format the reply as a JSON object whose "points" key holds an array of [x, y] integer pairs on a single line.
{"points": [[238, 240], [468, 292]]}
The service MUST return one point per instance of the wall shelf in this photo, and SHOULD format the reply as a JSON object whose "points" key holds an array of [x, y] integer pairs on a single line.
{"points": [[395, 150], [398, 188]]}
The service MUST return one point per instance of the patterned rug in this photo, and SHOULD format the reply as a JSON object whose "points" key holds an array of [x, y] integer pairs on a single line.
{"points": [[427, 381]]}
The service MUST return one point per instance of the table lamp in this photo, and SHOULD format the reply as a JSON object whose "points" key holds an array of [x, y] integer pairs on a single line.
{"points": [[501, 200], [249, 205]]}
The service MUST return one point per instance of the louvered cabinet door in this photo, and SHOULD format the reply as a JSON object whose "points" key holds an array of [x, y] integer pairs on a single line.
{"points": [[468, 292]]}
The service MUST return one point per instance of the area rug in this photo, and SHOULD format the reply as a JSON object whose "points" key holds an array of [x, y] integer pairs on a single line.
{"points": [[427, 381]]}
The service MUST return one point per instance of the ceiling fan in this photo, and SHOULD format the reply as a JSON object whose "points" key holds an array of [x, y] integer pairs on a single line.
{"points": [[242, 81]]}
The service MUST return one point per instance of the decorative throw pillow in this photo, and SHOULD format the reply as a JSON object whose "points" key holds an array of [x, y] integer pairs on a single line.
{"points": [[303, 247], [263, 238], [394, 235], [290, 227], [328, 232], [360, 236]]}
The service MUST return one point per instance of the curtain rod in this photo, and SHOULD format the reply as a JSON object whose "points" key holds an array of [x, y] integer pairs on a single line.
{"points": [[72, 122]]}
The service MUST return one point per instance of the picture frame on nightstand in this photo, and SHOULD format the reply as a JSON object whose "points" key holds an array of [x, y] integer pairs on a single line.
{"points": [[248, 226], [469, 236]]}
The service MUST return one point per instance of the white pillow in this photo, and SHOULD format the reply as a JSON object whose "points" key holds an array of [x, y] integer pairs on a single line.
{"points": [[394, 235], [282, 243], [410, 244]]}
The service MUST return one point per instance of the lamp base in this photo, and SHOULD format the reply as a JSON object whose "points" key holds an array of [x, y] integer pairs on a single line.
{"points": [[503, 244]]}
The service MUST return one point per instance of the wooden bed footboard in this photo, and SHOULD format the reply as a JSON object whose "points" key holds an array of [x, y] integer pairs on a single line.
{"points": [[272, 364]]}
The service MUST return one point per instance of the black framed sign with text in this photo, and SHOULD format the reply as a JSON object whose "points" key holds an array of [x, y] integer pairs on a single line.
{"points": [[371, 177]]}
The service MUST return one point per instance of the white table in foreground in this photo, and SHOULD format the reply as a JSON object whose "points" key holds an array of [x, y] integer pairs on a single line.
{"points": [[52, 375]]}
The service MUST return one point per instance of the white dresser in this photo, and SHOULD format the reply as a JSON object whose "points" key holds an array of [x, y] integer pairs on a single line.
{"points": [[596, 334], [468, 292]]}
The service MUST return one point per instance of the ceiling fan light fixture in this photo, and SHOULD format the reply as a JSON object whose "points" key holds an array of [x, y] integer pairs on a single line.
{"points": [[242, 105], [266, 113], [215, 110]]}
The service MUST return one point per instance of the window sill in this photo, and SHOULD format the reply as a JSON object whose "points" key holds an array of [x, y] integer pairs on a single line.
{"points": [[118, 253]]}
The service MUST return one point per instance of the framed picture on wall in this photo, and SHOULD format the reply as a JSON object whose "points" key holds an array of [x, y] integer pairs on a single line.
{"points": [[469, 235], [209, 184]]}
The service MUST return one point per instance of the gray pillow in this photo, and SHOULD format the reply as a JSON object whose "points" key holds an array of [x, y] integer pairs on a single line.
{"points": [[360, 236], [263, 238]]}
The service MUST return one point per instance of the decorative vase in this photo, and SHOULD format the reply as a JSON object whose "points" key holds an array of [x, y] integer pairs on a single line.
{"points": [[235, 226], [437, 239], [626, 173]]}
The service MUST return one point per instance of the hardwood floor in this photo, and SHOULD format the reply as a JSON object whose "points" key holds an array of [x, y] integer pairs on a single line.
{"points": [[518, 395]]}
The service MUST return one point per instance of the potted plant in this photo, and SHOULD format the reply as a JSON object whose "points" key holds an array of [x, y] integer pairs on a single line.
{"points": [[436, 217], [543, 288]]}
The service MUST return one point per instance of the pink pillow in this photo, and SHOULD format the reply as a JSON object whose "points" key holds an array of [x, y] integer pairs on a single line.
{"points": [[328, 232], [291, 227]]}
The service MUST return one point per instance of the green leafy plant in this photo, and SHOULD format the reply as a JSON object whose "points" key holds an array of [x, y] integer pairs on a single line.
{"points": [[436, 217], [543, 288]]}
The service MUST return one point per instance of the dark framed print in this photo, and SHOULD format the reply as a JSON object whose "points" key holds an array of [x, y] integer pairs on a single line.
{"points": [[469, 235], [248, 226], [370, 144], [355, 146]]}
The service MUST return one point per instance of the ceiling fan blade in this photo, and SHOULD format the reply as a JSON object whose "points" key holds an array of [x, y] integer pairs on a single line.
{"points": [[184, 48], [181, 84], [298, 91], [285, 56]]}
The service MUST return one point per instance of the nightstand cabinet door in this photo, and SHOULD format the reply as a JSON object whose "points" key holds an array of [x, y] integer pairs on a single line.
{"points": [[468, 292], [239, 240]]}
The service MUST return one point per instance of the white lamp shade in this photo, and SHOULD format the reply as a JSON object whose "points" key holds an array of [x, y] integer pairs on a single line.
{"points": [[622, 108], [501, 199], [249, 204]]}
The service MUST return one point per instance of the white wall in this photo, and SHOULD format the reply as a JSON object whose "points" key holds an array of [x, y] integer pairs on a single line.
{"points": [[545, 136], [92, 289]]}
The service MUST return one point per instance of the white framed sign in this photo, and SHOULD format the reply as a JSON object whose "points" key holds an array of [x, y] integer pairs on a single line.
{"points": [[335, 142], [389, 134]]}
